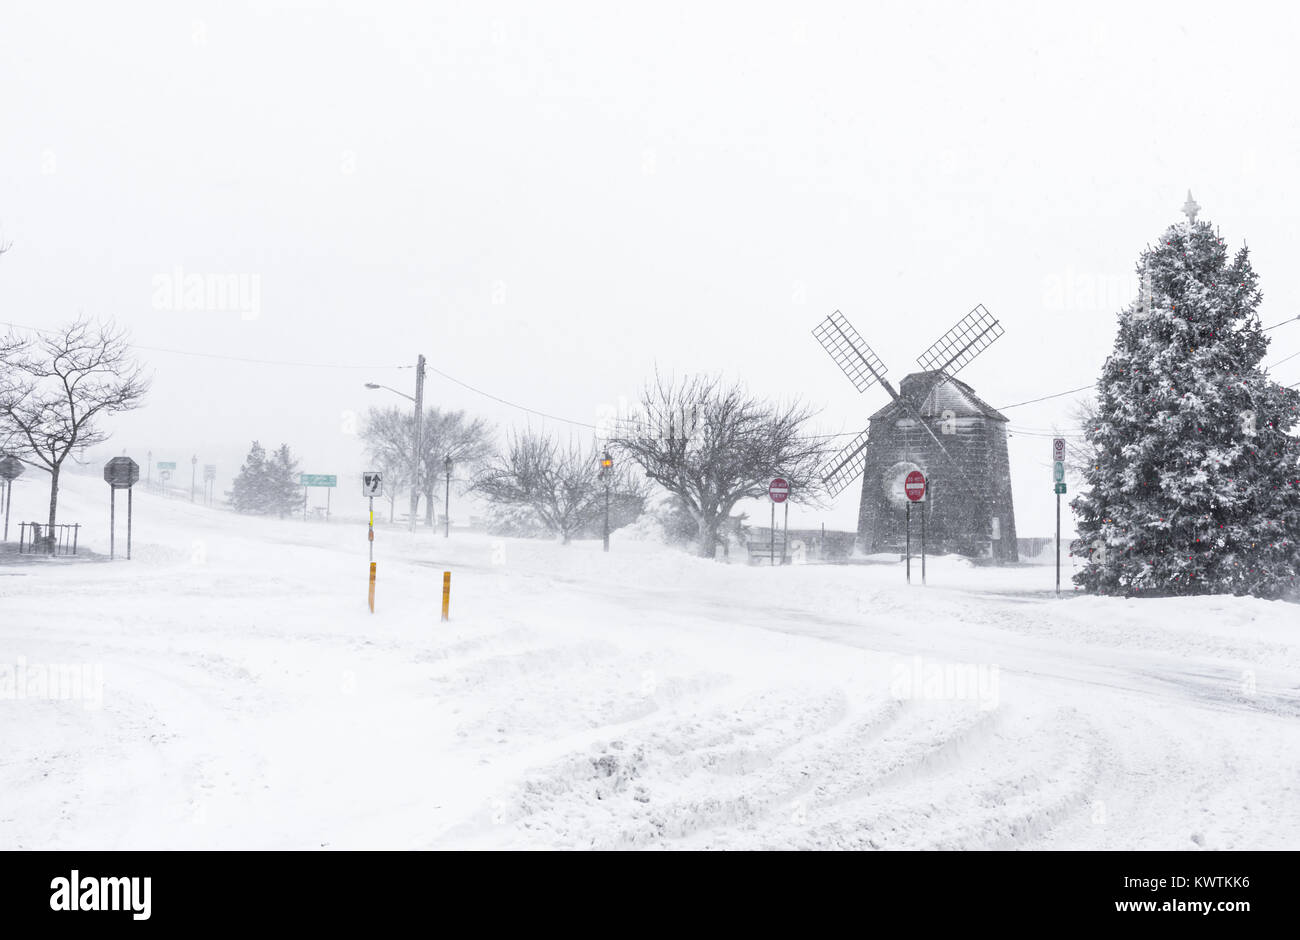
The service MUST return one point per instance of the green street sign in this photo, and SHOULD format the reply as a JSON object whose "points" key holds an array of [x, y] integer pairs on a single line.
{"points": [[1060, 488], [166, 465], [317, 479]]}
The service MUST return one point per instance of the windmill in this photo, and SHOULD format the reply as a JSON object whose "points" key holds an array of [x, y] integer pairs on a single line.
{"points": [[934, 423]]}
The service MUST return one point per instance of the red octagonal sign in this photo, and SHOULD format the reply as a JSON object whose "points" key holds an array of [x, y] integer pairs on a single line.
{"points": [[914, 486], [778, 489]]}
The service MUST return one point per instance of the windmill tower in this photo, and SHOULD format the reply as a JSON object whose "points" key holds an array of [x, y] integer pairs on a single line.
{"points": [[938, 425]]}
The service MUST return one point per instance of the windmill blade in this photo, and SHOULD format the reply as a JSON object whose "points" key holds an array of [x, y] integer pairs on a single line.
{"points": [[845, 466], [850, 351], [953, 351]]}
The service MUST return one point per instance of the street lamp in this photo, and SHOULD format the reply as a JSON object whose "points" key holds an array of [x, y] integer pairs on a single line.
{"points": [[419, 421], [607, 471], [446, 510]]}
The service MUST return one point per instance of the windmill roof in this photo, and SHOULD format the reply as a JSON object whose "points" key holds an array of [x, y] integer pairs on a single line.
{"points": [[933, 393]]}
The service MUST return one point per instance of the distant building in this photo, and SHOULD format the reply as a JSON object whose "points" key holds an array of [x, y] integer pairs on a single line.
{"points": [[968, 505]]}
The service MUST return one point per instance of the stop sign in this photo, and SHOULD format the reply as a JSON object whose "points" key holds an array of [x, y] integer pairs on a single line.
{"points": [[778, 489], [914, 486], [121, 473]]}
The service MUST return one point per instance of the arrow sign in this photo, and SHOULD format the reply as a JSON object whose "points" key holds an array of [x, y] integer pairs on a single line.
{"points": [[372, 483]]}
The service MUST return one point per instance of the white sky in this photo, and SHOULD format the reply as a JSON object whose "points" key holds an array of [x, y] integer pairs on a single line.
{"points": [[634, 184]]}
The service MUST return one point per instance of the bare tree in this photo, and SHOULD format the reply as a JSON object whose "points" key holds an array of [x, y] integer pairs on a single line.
{"points": [[467, 441], [388, 439], [62, 385], [11, 347], [712, 445], [560, 484]]}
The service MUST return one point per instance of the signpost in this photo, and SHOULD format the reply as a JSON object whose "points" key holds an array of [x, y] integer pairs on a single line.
{"points": [[11, 468], [1058, 478], [120, 473], [308, 480], [372, 485], [165, 470], [914, 488], [209, 481], [778, 490]]}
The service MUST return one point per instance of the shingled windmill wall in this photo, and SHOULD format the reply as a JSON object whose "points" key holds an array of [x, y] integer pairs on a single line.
{"points": [[963, 505]]}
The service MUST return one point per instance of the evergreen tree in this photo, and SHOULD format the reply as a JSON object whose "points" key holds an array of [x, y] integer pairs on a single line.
{"points": [[1193, 486], [284, 495], [247, 492], [267, 485]]}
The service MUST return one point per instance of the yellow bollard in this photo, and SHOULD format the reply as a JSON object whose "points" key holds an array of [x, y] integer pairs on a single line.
{"points": [[446, 594], [372, 587]]}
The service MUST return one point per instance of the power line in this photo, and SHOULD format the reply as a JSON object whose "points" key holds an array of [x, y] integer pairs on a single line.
{"points": [[479, 391], [1046, 397], [1282, 323], [203, 355]]}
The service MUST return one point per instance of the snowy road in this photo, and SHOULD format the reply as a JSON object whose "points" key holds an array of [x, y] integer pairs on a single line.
{"points": [[639, 699]]}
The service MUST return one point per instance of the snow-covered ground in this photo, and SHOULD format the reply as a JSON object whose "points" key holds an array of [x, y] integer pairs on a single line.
{"points": [[642, 698]]}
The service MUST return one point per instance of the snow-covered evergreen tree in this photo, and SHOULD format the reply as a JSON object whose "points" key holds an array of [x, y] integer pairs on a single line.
{"points": [[267, 485], [247, 491], [284, 494], [1193, 484]]}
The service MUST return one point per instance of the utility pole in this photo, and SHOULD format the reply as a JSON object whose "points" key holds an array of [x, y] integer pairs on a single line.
{"points": [[419, 425], [446, 508]]}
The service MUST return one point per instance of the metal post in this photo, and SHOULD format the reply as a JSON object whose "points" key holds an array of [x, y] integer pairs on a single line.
{"points": [[1058, 544], [112, 520], [909, 541], [9, 495], [923, 513], [148, 472], [371, 600], [785, 529], [771, 552], [327, 503], [128, 523], [419, 426]]}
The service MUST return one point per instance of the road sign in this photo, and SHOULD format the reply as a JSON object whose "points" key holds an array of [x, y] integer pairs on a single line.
{"points": [[779, 490], [1058, 470], [166, 465], [1060, 488], [11, 468], [372, 483], [121, 473], [914, 486], [1058, 448], [209, 472], [317, 479]]}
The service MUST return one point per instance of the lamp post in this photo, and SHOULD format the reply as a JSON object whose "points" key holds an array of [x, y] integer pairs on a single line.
{"points": [[446, 510], [419, 421], [606, 471]]}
